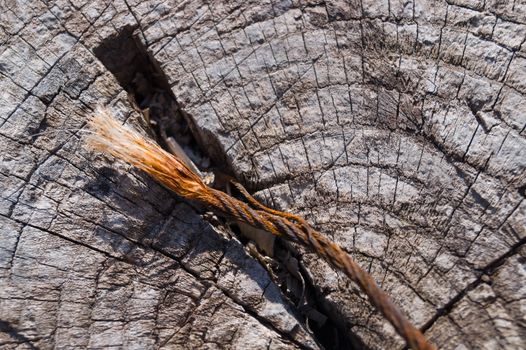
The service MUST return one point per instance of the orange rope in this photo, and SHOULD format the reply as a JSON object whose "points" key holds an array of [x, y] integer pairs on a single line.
{"points": [[122, 142]]}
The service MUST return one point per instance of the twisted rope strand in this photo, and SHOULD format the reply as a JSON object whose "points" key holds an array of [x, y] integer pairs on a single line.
{"points": [[332, 253], [126, 144]]}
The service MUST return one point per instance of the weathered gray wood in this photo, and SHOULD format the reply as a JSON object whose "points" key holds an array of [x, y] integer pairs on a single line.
{"points": [[397, 128]]}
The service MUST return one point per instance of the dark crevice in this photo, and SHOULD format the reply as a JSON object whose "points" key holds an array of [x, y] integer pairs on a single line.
{"points": [[149, 91], [330, 332], [126, 57]]}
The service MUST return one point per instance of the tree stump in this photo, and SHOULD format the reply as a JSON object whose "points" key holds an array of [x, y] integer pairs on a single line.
{"points": [[395, 128]]}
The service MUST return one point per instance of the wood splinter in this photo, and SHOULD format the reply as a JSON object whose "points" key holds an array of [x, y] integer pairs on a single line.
{"points": [[111, 137]]}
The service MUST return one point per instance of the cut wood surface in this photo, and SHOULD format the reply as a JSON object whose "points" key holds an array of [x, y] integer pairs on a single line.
{"points": [[395, 128]]}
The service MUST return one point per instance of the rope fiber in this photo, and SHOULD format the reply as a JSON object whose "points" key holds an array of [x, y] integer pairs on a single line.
{"points": [[113, 138]]}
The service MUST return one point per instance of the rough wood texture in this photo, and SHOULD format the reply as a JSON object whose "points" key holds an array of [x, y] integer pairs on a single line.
{"points": [[396, 128]]}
